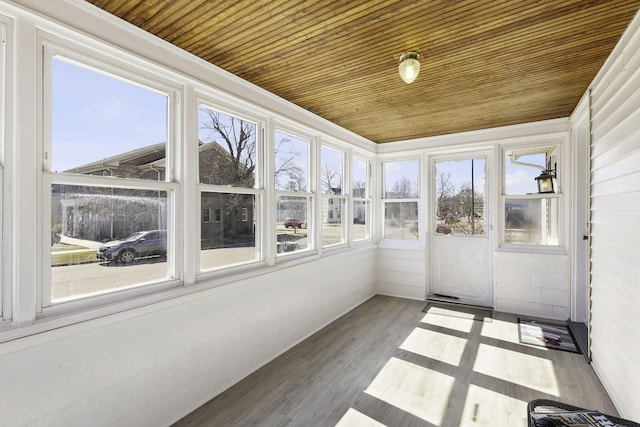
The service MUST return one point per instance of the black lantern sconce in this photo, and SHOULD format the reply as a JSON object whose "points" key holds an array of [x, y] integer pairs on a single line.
{"points": [[547, 181]]}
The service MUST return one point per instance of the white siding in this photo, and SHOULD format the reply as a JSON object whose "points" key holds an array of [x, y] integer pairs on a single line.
{"points": [[615, 224]]}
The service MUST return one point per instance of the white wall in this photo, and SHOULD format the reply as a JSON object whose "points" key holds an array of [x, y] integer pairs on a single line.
{"points": [[532, 284], [524, 282], [153, 365], [401, 273], [615, 223], [155, 360]]}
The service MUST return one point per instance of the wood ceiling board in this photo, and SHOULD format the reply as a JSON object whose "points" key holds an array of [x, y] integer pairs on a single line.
{"points": [[484, 63]]}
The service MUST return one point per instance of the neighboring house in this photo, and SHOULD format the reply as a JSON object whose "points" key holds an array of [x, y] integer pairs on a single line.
{"points": [[333, 207], [102, 213]]}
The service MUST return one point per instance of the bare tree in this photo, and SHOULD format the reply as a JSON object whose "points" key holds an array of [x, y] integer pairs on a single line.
{"points": [[238, 137], [444, 190], [331, 178], [286, 169], [403, 188], [359, 188]]}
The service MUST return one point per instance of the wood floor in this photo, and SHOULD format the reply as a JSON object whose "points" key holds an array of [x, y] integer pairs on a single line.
{"points": [[387, 363]]}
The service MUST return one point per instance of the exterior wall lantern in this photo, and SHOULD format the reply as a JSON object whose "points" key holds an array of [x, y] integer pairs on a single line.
{"points": [[547, 181]]}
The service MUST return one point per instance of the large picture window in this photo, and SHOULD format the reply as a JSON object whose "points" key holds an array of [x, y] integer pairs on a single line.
{"points": [[531, 217], [400, 200], [229, 188], [294, 199], [105, 159]]}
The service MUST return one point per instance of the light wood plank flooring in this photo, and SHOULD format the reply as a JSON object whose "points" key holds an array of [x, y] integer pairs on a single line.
{"points": [[388, 363]]}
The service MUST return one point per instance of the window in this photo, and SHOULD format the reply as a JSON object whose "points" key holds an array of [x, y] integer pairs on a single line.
{"points": [[110, 198], [400, 200], [218, 211], [333, 199], [294, 200], [529, 217], [460, 196], [361, 200], [3, 101], [206, 215], [227, 158]]}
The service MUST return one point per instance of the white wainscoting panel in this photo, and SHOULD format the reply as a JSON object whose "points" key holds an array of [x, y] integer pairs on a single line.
{"points": [[533, 284]]}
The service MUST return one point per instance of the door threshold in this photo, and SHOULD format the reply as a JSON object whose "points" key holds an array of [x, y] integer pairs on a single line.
{"points": [[450, 299]]}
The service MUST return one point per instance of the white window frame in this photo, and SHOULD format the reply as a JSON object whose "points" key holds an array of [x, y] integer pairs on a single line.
{"points": [[384, 201], [365, 198], [215, 185], [118, 69], [5, 292], [309, 195], [560, 247], [329, 199], [206, 218]]}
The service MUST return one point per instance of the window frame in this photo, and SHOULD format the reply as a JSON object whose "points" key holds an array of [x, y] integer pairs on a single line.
{"points": [[364, 198], [384, 201], [118, 69], [559, 196], [215, 186], [309, 195], [5, 41], [329, 199]]}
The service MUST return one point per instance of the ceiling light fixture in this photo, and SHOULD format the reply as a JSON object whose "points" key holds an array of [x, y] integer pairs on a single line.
{"points": [[409, 66]]}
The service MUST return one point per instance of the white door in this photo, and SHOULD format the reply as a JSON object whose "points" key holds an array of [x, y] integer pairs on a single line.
{"points": [[460, 249]]}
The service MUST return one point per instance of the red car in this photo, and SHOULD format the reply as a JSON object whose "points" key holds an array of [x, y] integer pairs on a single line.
{"points": [[294, 223]]}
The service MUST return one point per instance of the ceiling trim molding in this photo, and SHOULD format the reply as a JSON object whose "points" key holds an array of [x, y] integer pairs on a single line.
{"points": [[505, 134]]}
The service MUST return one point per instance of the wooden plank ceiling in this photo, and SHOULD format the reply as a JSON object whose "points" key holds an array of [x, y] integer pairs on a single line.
{"points": [[485, 63]]}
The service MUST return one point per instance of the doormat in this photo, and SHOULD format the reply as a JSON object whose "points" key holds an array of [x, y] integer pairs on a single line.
{"points": [[463, 311], [547, 335]]}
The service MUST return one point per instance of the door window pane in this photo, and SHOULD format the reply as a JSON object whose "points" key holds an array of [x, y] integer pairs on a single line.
{"points": [[97, 118], [105, 239], [228, 239], [226, 149], [460, 197]]}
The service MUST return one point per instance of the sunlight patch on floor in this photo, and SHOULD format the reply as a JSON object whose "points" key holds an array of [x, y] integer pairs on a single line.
{"points": [[485, 407], [419, 391], [518, 368], [501, 330], [353, 418], [449, 319], [435, 345]]}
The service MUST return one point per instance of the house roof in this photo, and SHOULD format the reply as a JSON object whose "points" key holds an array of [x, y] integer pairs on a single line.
{"points": [[484, 63]]}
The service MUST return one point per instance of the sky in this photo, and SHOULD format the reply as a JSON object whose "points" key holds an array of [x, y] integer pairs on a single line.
{"points": [[96, 116]]}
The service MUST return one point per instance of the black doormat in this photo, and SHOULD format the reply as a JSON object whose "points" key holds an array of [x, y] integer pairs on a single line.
{"points": [[549, 335], [463, 311]]}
